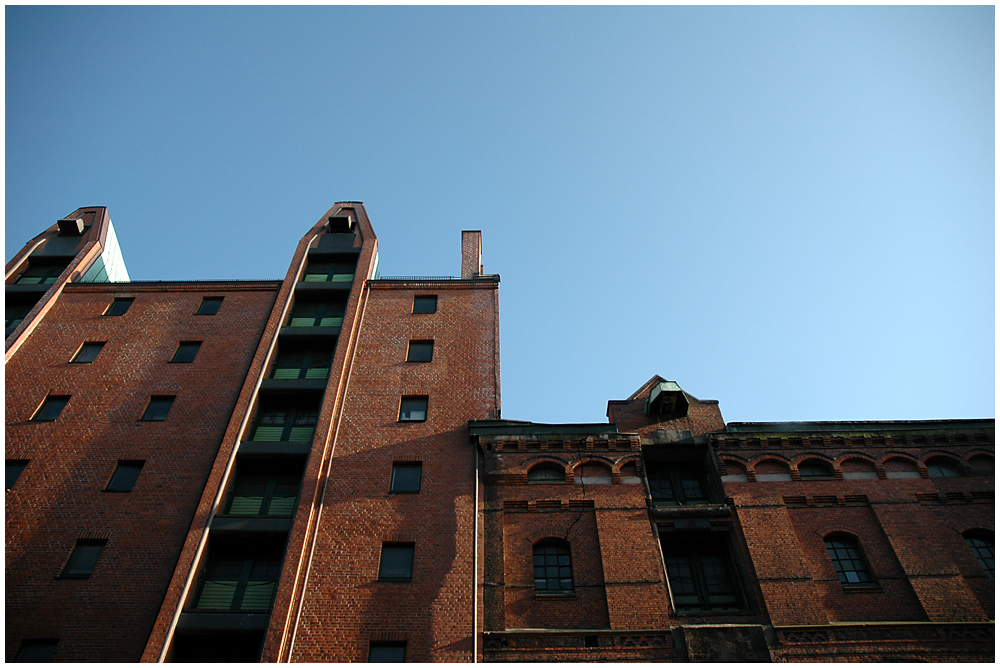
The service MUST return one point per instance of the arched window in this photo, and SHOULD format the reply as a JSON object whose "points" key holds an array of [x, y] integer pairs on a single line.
{"points": [[815, 469], [546, 473], [939, 467], [981, 544], [848, 560], [553, 567]]}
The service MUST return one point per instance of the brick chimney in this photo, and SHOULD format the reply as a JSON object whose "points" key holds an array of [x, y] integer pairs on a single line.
{"points": [[472, 253]]}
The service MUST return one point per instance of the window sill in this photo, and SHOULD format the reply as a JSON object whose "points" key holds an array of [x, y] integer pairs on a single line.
{"points": [[555, 596], [861, 588], [395, 580], [691, 612]]}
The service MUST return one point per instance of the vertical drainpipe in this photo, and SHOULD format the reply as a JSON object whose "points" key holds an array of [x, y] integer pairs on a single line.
{"points": [[475, 559]]}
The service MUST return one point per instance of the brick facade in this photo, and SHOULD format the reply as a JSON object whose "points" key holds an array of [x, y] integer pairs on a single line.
{"points": [[334, 482]]}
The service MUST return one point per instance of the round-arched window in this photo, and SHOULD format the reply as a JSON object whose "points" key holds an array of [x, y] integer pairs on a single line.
{"points": [[546, 473], [939, 467], [815, 468]]}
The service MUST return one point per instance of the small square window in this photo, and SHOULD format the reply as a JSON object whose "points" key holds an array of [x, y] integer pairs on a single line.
{"points": [[36, 651], [82, 562], [209, 306], [88, 352], [420, 351], [186, 352], [14, 469], [119, 306], [50, 409], [413, 409], [124, 477], [405, 477], [157, 409], [397, 562], [425, 304], [387, 652]]}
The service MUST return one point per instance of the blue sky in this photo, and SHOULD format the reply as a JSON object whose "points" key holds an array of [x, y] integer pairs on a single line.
{"points": [[790, 210]]}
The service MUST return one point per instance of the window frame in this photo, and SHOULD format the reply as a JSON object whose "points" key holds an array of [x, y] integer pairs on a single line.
{"points": [[43, 272], [697, 552], [673, 474], [849, 543], [334, 312], [160, 400], [85, 550], [122, 481], [119, 306], [561, 556], [278, 480], [241, 557], [942, 467], [419, 466], [413, 398], [186, 346], [295, 417], [50, 401], [210, 305], [304, 369], [536, 474], [427, 306], [333, 273], [423, 347], [88, 347], [814, 465], [402, 548], [985, 537]]}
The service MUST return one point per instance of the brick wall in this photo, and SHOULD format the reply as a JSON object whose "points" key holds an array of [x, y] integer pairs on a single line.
{"points": [[59, 496]]}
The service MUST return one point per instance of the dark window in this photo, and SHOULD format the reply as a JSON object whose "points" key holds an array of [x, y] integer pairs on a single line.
{"points": [[546, 473], [119, 306], [815, 469], [943, 468], [264, 489], [240, 576], [83, 560], [14, 469], [701, 574], [50, 409], [285, 423], [41, 274], [413, 409], [848, 561], [553, 568], [124, 477], [420, 351], [329, 272], [396, 562], [209, 306], [294, 364], [405, 477], [981, 544], [186, 352], [387, 652], [425, 304], [15, 314], [317, 314], [677, 485], [36, 651], [157, 409], [88, 353]]}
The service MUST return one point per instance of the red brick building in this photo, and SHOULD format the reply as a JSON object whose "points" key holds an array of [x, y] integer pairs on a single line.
{"points": [[316, 469]]}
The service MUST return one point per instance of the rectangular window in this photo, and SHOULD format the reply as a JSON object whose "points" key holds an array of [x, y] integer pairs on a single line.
{"points": [[240, 576], [317, 314], [88, 352], [677, 484], [701, 573], [209, 306], [396, 563], [119, 306], [186, 352], [14, 469], [420, 351], [413, 409], [264, 489], [302, 364], [41, 274], [329, 272], [124, 477], [406, 477], [82, 562], [387, 652], [36, 651], [157, 409], [50, 408], [15, 314], [425, 304], [282, 422]]}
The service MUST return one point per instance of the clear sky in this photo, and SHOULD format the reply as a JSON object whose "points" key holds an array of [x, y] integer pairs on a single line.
{"points": [[790, 210]]}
